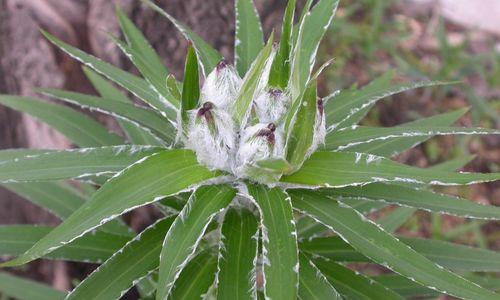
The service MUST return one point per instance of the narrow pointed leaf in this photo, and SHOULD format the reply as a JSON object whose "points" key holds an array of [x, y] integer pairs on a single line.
{"points": [[137, 41], [423, 199], [353, 139], [70, 164], [136, 134], [136, 85], [94, 247], [118, 274], [384, 249], [391, 147], [238, 256], [337, 169], [24, 289], [208, 56], [143, 117], [350, 107], [280, 70], [249, 38], [251, 82], [313, 285], [147, 69], [77, 127], [397, 218], [186, 232], [354, 285], [196, 278], [311, 31], [279, 242], [191, 85], [301, 137], [155, 177], [449, 255]]}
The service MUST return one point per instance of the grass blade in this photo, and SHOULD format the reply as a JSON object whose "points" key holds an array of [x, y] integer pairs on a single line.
{"points": [[238, 256], [183, 237], [48, 165], [354, 285], [136, 134], [418, 198], [208, 56], [279, 238], [154, 177], [77, 127], [396, 218], [387, 250], [249, 39], [337, 169], [91, 248], [145, 118], [313, 285], [191, 85], [118, 274], [24, 289]]}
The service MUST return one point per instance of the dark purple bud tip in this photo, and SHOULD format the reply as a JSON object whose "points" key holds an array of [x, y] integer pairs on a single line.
{"points": [[271, 126], [205, 109], [271, 139], [275, 93], [321, 107], [276, 44], [221, 65]]}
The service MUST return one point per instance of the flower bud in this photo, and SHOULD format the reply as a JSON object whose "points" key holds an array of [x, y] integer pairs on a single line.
{"points": [[212, 137], [258, 142], [222, 86], [271, 106]]}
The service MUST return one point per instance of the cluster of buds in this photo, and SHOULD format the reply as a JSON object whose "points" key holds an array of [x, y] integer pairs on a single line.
{"points": [[220, 143]]}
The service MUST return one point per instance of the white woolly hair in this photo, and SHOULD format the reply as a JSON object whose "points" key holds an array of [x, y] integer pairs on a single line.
{"points": [[213, 149], [222, 86], [319, 132], [271, 106], [253, 148]]}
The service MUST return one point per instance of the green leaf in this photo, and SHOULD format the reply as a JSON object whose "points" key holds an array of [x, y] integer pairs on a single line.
{"points": [[191, 85], [423, 199], [397, 218], [395, 146], [383, 248], [251, 82], [301, 138], [208, 56], [136, 134], [146, 68], [351, 138], [249, 38], [24, 289], [337, 169], [157, 176], [140, 44], [311, 31], [136, 259], [79, 128], [280, 69], [354, 285], [145, 118], [174, 87], [183, 237], [94, 247], [237, 258], [67, 164], [313, 284], [449, 255], [350, 107], [279, 238], [196, 278], [136, 85]]}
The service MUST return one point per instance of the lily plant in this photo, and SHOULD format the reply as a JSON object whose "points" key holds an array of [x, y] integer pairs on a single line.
{"points": [[265, 187]]}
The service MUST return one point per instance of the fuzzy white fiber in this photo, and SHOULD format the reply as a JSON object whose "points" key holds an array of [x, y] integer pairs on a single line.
{"points": [[221, 86], [271, 106]]}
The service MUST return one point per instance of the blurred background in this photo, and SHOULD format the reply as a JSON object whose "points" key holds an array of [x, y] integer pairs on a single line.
{"points": [[439, 40]]}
